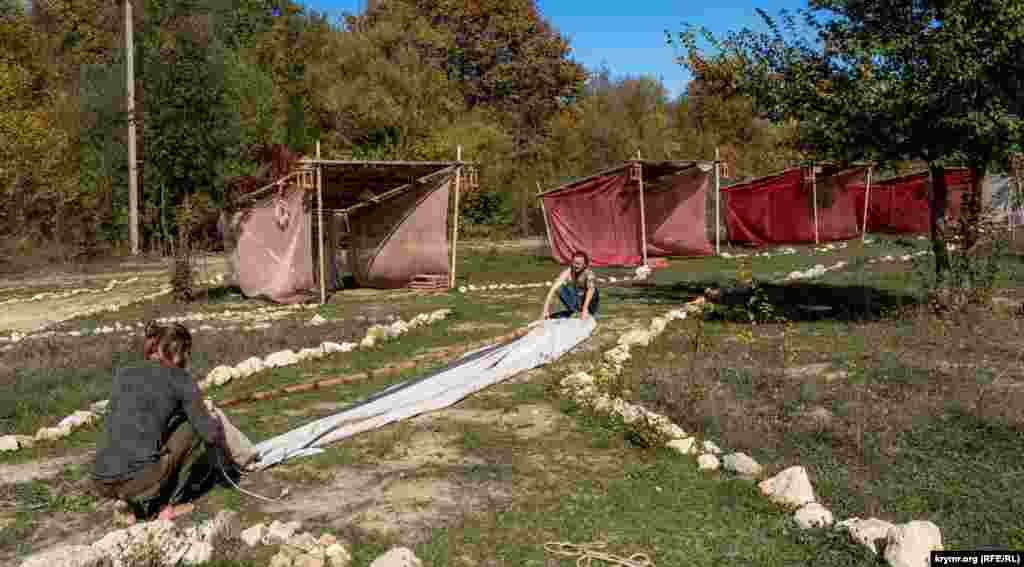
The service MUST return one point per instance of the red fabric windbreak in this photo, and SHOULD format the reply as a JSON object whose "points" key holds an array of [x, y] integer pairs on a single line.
{"points": [[602, 218], [273, 253], [779, 209], [675, 217], [900, 205], [597, 217]]}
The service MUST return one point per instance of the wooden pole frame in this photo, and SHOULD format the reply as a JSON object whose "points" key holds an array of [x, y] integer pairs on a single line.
{"points": [[643, 214], [867, 198], [455, 220], [718, 205], [320, 214], [814, 189], [544, 213]]}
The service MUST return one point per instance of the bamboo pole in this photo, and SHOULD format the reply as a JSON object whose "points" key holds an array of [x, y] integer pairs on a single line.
{"points": [[718, 202], [814, 189], [320, 207], [643, 216], [363, 376], [867, 197], [455, 221]]}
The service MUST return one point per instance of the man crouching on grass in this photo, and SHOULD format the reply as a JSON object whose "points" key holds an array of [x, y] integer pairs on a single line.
{"points": [[156, 422]]}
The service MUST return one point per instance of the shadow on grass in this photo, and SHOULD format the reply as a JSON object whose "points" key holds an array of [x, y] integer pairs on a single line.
{"points": [[796, 301]]}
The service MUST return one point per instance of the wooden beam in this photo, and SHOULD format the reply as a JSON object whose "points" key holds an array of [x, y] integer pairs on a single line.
{"points": [[814, 190], [718, 201], [867, 197], [395, 192], [364, 376], [320, 210], [547, 226], [455, 221], [643, 213]]}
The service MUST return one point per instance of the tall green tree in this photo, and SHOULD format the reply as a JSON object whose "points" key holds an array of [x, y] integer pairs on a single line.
{"points": [[189, 128], [887, 80]]}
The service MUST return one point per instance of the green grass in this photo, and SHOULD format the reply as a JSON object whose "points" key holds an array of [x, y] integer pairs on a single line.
{"points": [[596, 481]]}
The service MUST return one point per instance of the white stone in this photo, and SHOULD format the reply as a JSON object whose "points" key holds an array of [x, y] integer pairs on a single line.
{"points": [[795, 275], [710, 447], [281, 358], [639, 337], [119, 545], [317, 320], [741, 463], [305, 541], [337, 555], [673, 431], [708, 462], [658, 325], [367, 342], [250, 366], [399, 328], [813, 515], [617, 355], [790, 487], [683, 446], [8, 443], [311, 353], [253, 536], [221, 375], [52, 433], [630, 413], [397, 557], [866, 532], [278, 533], [68, 556], [577, 379], [911, 544]]}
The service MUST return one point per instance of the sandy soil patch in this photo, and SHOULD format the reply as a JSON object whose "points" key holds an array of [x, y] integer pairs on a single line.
{"points": [[34, 470]]}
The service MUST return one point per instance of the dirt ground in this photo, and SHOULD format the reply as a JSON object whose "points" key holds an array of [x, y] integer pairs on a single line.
{"points": [[33, 316]]}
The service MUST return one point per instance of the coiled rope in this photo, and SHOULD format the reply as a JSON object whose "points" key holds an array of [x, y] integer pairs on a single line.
{"points": [[587, 553]]}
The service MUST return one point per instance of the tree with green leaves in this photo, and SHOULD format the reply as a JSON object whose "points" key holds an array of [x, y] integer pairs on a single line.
{"points": [[884, 80]]}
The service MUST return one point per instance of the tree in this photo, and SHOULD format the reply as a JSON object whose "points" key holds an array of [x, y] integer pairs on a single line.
{"points": [[935, 81]]}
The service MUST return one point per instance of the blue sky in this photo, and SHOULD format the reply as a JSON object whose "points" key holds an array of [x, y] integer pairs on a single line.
{"points": [[629, 38]]}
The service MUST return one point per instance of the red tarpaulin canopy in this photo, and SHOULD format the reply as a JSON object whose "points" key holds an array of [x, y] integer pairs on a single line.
{"points": [[601, 214], [900, 205], [779, 209]]}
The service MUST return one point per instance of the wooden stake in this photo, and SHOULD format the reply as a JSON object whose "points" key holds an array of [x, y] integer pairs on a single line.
{"points": [[814, 188], [320, 207], [455, 221], [643, 217], [867, 197], [718, 198], [544, 213]]}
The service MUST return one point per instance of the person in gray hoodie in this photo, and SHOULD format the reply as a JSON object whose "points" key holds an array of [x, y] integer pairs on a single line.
{"points": [[156, 423]]}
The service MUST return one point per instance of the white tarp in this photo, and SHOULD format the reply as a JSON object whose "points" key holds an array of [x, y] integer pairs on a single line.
{"points": [[547, 341]]}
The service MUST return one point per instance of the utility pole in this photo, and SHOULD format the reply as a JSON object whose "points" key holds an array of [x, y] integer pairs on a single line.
{"points": [[133, 171]]}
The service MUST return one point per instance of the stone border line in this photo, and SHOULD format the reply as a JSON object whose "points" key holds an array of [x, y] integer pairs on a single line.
{"points": [[907, 544], [69, 293], [161, 542], [220, 375]]}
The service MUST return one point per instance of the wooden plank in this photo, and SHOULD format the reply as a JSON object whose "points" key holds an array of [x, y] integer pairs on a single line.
{"points": [[364, 376]]}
